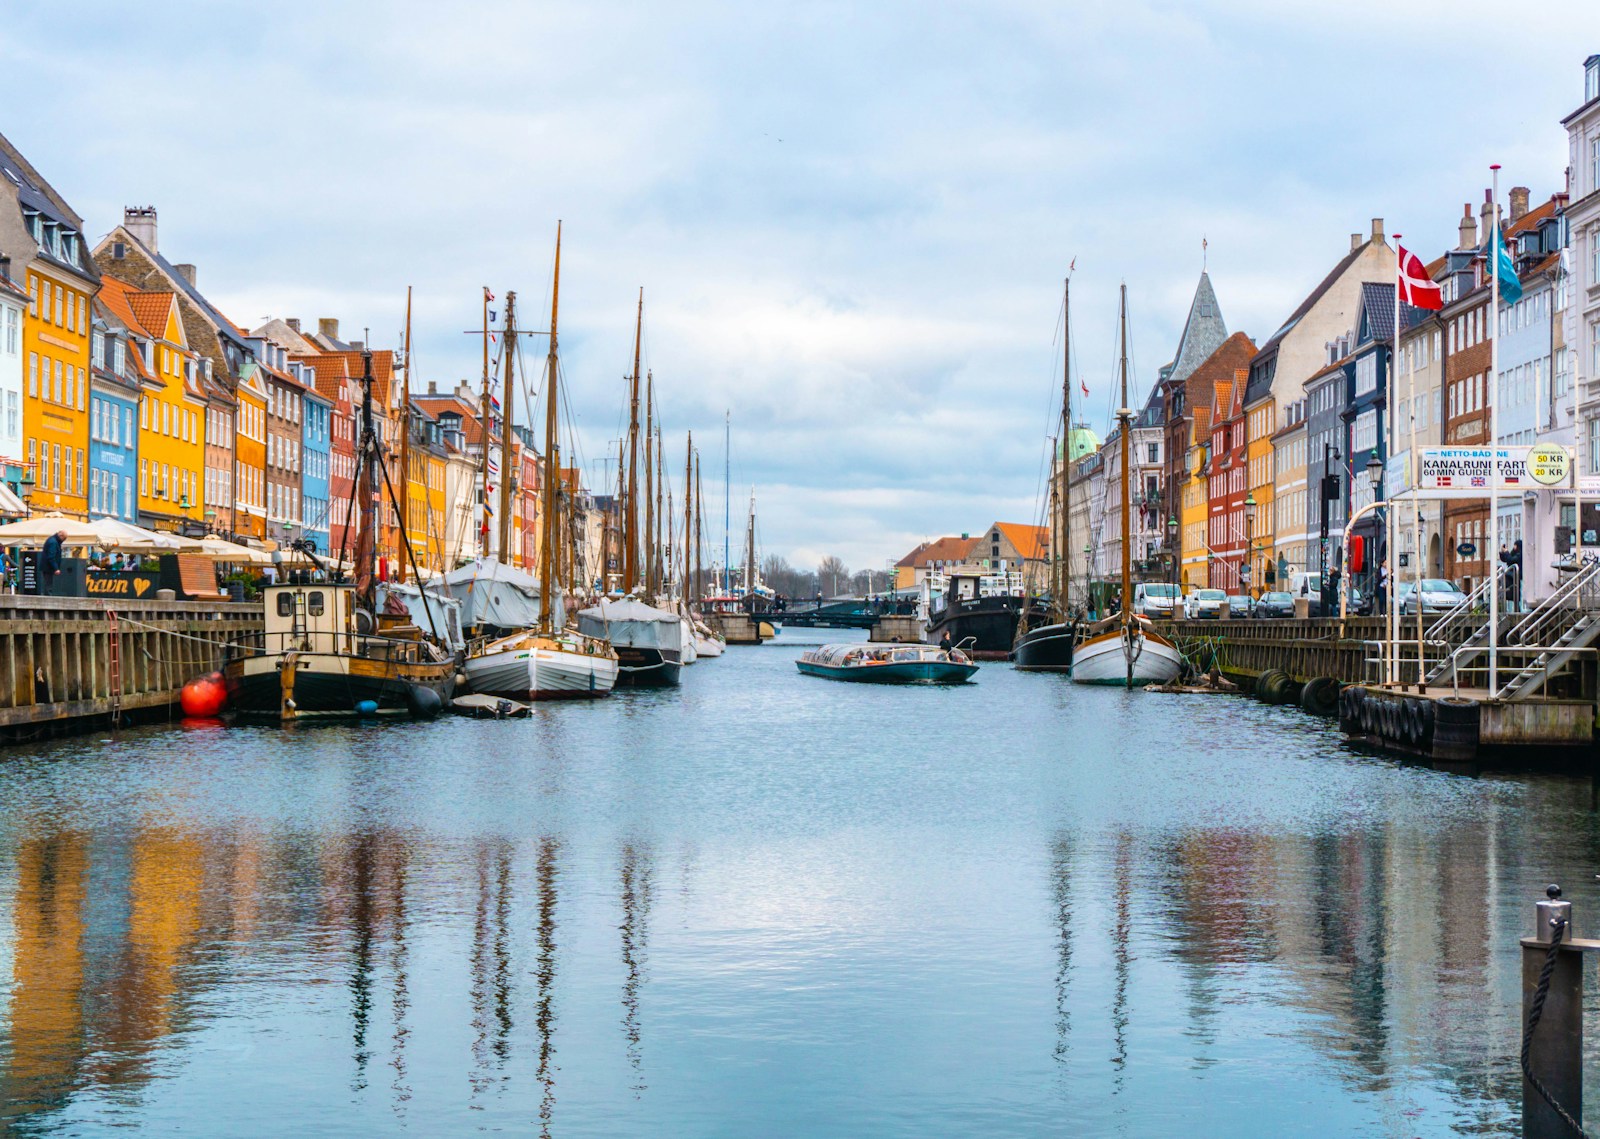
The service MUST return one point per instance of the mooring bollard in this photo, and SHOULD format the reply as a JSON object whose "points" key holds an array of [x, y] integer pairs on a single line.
{"points": [[1552, 1022]]}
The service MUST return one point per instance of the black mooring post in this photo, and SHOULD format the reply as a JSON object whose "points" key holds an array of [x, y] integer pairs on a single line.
{"points": [[1556, 1053]]}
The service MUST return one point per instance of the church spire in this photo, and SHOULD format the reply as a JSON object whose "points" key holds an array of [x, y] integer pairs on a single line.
{"points": [[1203, 332]]}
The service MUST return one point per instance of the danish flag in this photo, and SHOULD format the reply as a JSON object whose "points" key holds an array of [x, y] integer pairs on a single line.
{"points": [[1416, 288]]}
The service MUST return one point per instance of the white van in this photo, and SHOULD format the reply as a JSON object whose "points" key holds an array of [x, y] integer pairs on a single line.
{"points": [[1309, 586], [1157, 599]]}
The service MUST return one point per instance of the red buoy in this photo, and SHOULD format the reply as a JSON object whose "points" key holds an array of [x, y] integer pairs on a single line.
{"points": [[204, 695]]}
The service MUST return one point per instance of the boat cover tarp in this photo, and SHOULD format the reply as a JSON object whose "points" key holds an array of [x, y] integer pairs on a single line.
{"points": [[493, 593], [631, 623], [435, 615]]}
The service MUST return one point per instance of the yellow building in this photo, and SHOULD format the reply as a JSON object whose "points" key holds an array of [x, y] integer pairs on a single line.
{"points": [[1194, 504], [1261, 424], [55, 419], [250, 454], [172, 414]]}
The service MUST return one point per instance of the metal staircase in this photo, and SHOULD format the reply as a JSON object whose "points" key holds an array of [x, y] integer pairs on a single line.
{"points": [[1448, 628], [1566, 622], [1558, 627]]}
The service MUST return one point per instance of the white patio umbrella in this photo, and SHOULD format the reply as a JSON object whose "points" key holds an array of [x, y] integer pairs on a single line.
{"points": [[220, 550], [126, 538], [33, 531]]}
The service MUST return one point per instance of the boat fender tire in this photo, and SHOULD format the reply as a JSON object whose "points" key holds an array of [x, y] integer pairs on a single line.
{"points": [[1425, 711], [1351, 721], [1368, 716], [424, 702], [1272, 686], [1392, 724], [1321, 696]]}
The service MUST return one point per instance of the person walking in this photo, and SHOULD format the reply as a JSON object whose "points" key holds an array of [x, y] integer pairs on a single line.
{"points": [[50, 562], [1383, 588]]}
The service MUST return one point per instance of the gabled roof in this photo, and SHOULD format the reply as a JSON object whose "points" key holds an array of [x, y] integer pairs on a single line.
{"points": [[947, 550], [1377, 304], [153, 309], [278, 331], [34, 193], [117, 297], [382, 371], [1032, 542], [1203, 332], [329, 373]]}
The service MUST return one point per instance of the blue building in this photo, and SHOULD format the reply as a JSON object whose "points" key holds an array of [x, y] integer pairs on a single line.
{"points": [[117, 379], [317, 458]]}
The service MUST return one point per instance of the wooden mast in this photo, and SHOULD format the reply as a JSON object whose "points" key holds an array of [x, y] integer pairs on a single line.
{"points": [[750, 552], [619, 508], [483, 420], [1062, 585], [630, 530], [508, 377], [552, 464], [662, 527], [405, 441], [688, 516], [699, 528], [1125, 418], [649, 486]]}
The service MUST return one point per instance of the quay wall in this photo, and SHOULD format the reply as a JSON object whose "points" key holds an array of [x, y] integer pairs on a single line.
{"points": [[69, 663], [1242, 649]]}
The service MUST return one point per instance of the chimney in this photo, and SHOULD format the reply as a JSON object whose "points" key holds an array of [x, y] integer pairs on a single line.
{"points": [[433, 387], [187, 273], [1486, 215], [328, 326], [1377, 230], [1468, 229], [1519, 201], [358, 345], [141, 222], [1355, 242], [293, 322]]}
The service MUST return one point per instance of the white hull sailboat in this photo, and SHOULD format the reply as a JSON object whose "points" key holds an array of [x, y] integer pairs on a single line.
{"points": [[542, 666], [1125, 649], [1129, 655]]}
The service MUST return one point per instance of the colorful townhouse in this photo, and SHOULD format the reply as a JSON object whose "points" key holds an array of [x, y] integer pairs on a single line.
{"points": [[1366, 434], [118, 380], [1279, 374], [250, 452], [44, 239], [13, 468], [1289, 496], [316, 448], [131, 253], [1327, 397], [335, 387], [1204, 332], [1419, 395], [1227, 487], [172, 411], [1582, 310]]}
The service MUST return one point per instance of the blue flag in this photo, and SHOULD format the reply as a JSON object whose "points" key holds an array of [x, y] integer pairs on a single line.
{"points": [[1506, 270]]}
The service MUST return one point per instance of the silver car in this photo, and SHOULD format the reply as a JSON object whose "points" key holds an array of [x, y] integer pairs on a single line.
{"points": [[1206, 603], [1438, 596]]}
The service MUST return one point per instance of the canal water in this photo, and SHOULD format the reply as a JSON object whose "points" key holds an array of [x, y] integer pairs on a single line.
{"points": [[765, 905]]}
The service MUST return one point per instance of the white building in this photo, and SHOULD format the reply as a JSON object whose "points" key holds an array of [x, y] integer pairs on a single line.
{"points": [[1582, 320], [12, 302]]}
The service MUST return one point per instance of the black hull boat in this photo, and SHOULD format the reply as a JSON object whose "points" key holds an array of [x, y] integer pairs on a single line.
{"points": [[982, 627], [301, 686], [647, 668], [1047, 648]]}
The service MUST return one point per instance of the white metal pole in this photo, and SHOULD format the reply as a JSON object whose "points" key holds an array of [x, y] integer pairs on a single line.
{"points": [[1390, 569], [1494, 431]]}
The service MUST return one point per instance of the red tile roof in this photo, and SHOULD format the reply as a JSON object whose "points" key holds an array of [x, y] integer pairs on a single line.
{"points": [[948, 550], [117, 297], [152, 310]]}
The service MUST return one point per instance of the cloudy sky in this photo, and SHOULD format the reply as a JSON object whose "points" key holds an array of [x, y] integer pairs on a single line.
{"points": [[850, 220]]}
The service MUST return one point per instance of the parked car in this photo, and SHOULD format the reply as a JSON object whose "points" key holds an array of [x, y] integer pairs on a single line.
{"points": [[1438, 596], [1277, 604], [1308, 586], [1241, 605], [1206, 603], [1157, 599]]}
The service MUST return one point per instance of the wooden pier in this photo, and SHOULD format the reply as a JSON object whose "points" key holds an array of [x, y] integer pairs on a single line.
{"points": [[70, 663]]}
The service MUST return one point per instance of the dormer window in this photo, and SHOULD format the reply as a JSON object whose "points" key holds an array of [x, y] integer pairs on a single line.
{"points": [[1591, 78]]}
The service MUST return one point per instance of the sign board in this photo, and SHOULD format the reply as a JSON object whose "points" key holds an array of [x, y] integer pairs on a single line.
{"points": [[129, 584], [1486, 469], [1466, 549]]}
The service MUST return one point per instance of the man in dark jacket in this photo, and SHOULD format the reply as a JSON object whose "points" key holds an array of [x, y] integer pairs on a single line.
{"points": [[50, 562]]}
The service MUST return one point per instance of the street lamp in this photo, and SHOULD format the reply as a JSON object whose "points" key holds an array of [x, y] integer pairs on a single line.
{"points": [[1249, 545], [1375, 472], [1172, 546]]}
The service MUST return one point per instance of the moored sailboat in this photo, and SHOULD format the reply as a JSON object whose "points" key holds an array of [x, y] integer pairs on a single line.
{"points": [[1047, 646], [1125, 648], [548, 661]]}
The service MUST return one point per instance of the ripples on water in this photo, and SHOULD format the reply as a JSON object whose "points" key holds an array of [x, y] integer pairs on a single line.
{"points": [[770, 904]]}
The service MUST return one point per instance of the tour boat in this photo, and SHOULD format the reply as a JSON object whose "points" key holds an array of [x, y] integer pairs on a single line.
{"points": [[976, 613], [888, 664], [1125, 648], [545, 661], [333, 649]]}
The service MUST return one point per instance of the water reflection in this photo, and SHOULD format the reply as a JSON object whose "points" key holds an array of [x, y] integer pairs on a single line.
{"points": [[1157, 940], [637, 886]]}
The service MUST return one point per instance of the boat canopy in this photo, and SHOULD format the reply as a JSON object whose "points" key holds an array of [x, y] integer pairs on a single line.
{"points": [[432, 613], [493, 593], [631, 622]]}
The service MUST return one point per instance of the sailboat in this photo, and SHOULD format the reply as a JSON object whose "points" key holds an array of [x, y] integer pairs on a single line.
{"points": [[548, 661], [1048, 647], [1125, 649], [648, 641], [330, 649], [708, 644]]}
